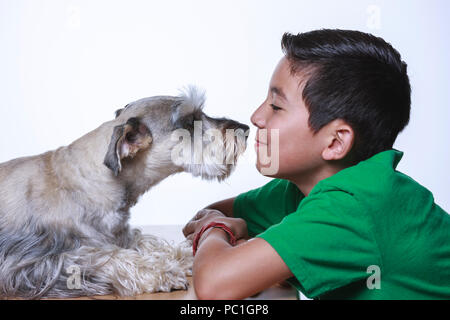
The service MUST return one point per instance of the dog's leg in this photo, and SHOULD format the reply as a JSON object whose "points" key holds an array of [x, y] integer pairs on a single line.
{"points": [[53, 264], [147, 245], [149, 265]]}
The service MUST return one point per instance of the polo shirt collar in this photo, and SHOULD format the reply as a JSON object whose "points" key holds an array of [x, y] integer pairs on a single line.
{"points": [[391, 157]]}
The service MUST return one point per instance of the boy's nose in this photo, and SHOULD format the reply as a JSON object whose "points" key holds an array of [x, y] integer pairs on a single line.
{"points": [[257, 118]]}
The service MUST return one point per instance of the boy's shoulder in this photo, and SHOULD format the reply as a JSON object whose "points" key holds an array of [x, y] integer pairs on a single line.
{"points": [[371, 185], [377, 187], [375, 179]]}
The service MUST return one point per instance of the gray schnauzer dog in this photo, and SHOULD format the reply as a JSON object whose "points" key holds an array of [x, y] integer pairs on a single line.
{"points": [[64, 214]]}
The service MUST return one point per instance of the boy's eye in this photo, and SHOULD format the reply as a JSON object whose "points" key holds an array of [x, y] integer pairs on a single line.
{"points": [[274, 107]]}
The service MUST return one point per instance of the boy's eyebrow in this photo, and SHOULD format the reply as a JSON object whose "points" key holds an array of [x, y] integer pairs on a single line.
{"points": [[278, 92]]}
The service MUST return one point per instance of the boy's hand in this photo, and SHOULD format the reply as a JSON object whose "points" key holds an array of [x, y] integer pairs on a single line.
{"points": [[205, 216]]}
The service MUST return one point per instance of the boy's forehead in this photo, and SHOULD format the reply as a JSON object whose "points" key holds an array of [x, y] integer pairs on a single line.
{"points": [[284, 84], [278, 91], [282, 70]]}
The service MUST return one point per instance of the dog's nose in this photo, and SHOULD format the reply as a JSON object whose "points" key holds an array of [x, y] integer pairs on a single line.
{"points": [[244, 127], [237, 125]]}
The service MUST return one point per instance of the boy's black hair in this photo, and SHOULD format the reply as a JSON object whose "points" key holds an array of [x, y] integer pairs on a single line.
{"points": [[356, 77]]}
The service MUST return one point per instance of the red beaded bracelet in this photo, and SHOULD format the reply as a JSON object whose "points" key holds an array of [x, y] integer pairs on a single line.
{"points": [[213, 225]]}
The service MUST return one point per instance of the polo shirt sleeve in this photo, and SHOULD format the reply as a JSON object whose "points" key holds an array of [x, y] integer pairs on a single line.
{"points": [[327, 242], [267, 205]]}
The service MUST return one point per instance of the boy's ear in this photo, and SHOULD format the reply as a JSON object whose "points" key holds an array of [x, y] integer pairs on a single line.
{"points": [[340, 143], [126, 141]]}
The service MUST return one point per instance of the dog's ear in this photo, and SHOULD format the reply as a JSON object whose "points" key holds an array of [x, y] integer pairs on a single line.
{"points": [[127, 139]]}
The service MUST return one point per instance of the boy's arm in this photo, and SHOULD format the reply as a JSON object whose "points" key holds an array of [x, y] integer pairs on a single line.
{"points": [[225, 272], [224, 206]]}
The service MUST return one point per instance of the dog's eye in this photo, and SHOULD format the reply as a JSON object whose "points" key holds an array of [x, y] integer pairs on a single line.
{"points": [[188, 121], [118, 111]]}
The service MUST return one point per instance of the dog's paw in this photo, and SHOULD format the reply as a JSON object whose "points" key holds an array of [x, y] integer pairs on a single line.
{"points": [[185, 257]]}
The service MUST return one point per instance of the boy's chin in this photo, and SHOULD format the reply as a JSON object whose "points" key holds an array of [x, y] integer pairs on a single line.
{"points": [[268, 170]]}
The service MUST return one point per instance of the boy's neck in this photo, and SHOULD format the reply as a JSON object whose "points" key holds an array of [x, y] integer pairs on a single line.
{"points": [[306, 183]]}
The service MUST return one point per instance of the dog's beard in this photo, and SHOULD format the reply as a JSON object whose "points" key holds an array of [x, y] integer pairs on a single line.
{"points": [[217, 160]]}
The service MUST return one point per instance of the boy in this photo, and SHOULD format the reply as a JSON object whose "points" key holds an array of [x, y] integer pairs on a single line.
{"points": [[337, 220]]}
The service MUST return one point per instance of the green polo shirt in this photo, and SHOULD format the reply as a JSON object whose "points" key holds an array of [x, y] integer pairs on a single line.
{"points": [[367, 232]]}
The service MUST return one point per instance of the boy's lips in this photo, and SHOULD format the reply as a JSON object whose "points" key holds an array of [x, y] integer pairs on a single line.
{"points": [[258, 143]]}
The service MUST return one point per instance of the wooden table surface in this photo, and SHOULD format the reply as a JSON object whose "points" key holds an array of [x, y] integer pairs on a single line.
{"points": [[173, 233]]}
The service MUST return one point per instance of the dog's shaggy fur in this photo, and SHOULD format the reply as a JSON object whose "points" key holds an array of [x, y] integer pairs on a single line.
{"points": [[64, 214]]}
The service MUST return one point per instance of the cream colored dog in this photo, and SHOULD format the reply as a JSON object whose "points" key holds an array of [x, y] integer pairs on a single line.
{"points": [[64, 214]]}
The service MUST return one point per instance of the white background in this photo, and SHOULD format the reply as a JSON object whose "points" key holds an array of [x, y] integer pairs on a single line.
{"points": [[66, 66]]}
